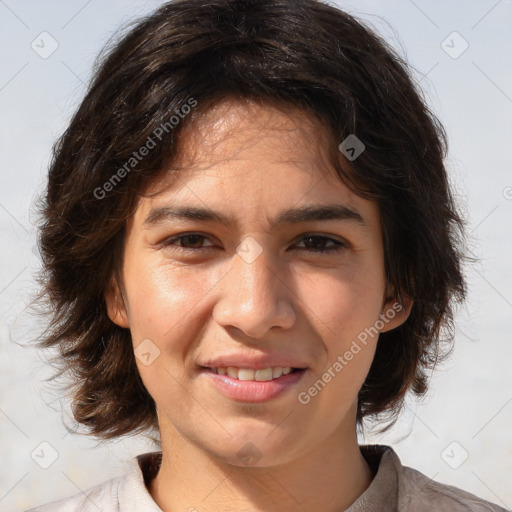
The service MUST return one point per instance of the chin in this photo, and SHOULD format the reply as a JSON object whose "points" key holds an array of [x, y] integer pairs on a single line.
{"points": [[260, 450]]}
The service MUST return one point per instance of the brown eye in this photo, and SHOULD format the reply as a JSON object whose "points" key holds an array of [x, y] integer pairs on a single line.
{"points": [[316, 243], [191, 241]]}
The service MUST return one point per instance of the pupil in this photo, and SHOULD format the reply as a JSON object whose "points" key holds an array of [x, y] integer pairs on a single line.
{"points": [[194, 238], [314, 241]]}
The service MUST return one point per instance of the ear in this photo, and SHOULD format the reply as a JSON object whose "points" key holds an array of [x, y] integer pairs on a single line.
{"points": [[395, 311], [116, 308]]}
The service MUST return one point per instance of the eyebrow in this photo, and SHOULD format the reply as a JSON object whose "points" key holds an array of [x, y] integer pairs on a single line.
{"points": [[307, 213]]}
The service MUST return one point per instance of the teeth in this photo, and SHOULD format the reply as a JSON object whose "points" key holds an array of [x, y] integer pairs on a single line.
{"points": [[263, 374], [232, 372]]}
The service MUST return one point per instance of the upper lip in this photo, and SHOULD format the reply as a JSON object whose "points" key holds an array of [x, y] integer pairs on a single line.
{"points": [[255, 362]]}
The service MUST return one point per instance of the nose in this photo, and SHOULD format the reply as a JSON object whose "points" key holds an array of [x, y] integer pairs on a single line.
{"points": [[254, 297]]}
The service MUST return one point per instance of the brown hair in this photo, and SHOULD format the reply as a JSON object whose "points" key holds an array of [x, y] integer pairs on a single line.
{"points": [[299, 53]]}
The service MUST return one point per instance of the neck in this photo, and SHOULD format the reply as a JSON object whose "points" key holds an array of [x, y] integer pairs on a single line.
{"points": [[330, 477]]}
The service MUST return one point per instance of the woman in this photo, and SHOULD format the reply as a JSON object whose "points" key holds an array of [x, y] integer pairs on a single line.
{"points": [[250, 246]]}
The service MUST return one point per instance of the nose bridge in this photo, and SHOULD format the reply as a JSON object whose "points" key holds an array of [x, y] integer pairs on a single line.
{"points": [[257, 279], [254, 297]]}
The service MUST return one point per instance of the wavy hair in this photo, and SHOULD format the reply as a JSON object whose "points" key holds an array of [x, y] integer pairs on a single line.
{"points": [[303, 54]]}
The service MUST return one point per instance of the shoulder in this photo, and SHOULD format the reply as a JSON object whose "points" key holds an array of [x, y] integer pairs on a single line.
{"points": [[99, 497], [125, 493], [419, 493]]}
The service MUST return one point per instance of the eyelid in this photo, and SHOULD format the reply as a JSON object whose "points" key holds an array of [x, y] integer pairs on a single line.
{"points": [[338, 244], [334, 238], [168, 241]]}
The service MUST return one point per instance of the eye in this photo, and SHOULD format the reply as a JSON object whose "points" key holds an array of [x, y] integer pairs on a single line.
{"points": [[313, 243], [316, 240], [188, 241]]}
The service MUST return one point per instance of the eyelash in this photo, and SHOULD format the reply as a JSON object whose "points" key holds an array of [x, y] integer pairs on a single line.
{"points": [[339, 245]]}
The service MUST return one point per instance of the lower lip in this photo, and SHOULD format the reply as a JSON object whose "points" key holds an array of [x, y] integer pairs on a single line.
{"points": [[250, 390]]}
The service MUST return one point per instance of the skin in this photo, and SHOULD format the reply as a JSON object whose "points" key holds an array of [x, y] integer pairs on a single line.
{"points": [[250, 162]]}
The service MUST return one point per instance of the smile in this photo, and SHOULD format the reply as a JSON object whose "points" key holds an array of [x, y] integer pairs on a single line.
{"points": [[248, 385], [263, 374]]}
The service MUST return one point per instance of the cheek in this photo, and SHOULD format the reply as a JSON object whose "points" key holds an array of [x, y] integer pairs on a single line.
{"points": [[165, 308], [344, 308], [343, 304], [161, 298], [342, 312]]}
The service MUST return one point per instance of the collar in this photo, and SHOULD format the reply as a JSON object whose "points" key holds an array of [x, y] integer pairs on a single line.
{"points": [[380, 496]]}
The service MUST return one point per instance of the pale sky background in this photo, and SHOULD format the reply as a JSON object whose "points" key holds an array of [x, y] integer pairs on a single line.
{"points": [[468, 410]]}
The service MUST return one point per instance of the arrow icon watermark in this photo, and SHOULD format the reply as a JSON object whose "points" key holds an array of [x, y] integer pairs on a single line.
{"points": [[351, 147]]}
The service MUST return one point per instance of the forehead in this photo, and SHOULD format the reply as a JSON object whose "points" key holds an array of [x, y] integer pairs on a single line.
{"points": [[228, 123], [235, 132], [255, 154]]}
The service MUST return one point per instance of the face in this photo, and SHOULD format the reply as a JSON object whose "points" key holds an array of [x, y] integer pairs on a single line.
{"points": [[266, 280]]}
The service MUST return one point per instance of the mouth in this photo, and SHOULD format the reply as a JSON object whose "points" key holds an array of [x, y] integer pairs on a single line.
{"points": [[250, 385], [250, 374]]}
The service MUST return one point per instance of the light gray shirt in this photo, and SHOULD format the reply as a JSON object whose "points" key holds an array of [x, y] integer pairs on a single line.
{"points": [[394, 488]]}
